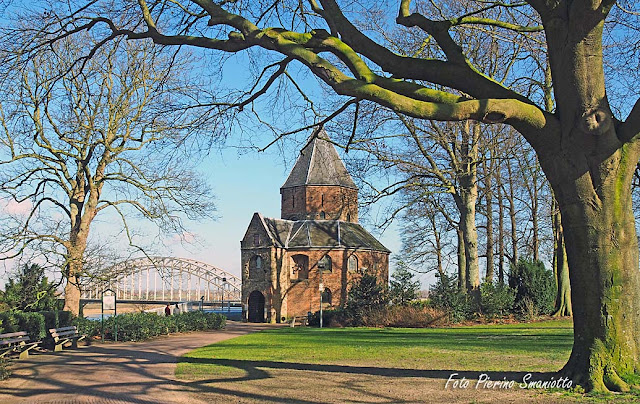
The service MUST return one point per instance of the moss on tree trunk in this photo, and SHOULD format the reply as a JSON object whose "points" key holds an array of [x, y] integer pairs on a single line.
{"points": [[602, 252]]}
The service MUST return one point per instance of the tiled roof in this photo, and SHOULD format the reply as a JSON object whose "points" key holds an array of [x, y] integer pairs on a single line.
{"points": [[319, 164], [321, 234]]}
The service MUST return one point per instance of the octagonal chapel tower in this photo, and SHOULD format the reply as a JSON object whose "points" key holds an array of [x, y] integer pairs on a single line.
{"points": [[317, 241]]}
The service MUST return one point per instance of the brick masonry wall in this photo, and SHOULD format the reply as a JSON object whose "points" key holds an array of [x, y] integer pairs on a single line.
{"points": [[285, 295], [302, 296], [307, 202]]}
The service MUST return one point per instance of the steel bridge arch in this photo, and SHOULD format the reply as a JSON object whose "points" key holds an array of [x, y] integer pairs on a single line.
{"points": [[175, 275]]}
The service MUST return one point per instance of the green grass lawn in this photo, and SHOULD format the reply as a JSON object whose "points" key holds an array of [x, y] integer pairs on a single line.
{"points": [[405, 364], [534, 347]]}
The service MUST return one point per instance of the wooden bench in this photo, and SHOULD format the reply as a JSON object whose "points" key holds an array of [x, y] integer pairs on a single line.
{"points": [[65, 334], [17, 342], [299, 320]]}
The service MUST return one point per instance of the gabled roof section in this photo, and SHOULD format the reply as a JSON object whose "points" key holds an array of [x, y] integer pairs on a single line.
{"points": [[320, 234], [278, 230], [319, 164], [259, 221]]}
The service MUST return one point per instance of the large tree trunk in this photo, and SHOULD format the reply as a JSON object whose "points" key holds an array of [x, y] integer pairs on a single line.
{"points": [[488, 195], [602, 250], [500, 230], [72, 290], [560, 266], [72, 295], [590, 170], [470, 238], [535, 240], [466, 202], [462, 261], [438, 250], [512, 216]]}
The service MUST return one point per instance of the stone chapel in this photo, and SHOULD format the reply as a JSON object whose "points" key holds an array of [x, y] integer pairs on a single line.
{"points": [[317, 241]]}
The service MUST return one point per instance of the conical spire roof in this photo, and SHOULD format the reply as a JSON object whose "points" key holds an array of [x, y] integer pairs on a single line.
{"points": [[319, 164]]}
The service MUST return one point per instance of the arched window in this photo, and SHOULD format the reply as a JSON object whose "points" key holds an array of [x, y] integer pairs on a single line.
{"points": [[300, 267], [352, 264], [326, 296], [255, 268], [325, 264], [323, 215]]}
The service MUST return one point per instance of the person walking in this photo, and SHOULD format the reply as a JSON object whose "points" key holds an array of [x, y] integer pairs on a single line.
{"points": [[176, 310], [167, 310]]}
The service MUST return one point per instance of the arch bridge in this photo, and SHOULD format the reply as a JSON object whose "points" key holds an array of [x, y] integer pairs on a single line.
{"points": [[165, 279]]}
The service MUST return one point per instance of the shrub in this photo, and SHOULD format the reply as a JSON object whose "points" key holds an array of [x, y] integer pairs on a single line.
{"points": [[389, 316], [32, 323], [527, 308], [446, 296], [406, 317], [56, 318], [4, 371], [532, 280], [142, 326], [90, 328], [403, 288], [364, 297], [8, 322], [331, 318], [30, 291], [496, 299]]}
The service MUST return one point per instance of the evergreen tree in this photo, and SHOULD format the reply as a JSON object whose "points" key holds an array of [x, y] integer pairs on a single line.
{"points": [[31, 291], [403, 288], [365, 296]]}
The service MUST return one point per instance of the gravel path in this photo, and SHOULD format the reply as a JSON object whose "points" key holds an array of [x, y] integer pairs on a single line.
{"points": [[141, 373]]}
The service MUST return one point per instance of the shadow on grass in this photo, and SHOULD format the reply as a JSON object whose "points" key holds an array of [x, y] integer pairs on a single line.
{"points": [[263, 369], [255, 370]]}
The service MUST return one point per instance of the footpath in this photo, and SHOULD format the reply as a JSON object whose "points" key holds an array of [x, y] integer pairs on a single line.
{"points": [[112, 373]]}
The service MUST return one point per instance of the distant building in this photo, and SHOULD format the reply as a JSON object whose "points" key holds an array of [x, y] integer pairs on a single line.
{"points": [[317, 240]]}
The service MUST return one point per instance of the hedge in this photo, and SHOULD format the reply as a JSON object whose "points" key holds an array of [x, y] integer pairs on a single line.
{"points": [[131, 326], [32, 323], [142, 326], [56, 319]]}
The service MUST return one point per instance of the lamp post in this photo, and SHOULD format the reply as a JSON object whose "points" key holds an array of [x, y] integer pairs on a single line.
{"points": [[224, 282], [321, 288]]}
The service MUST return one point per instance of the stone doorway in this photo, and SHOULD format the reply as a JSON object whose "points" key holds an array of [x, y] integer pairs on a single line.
{"points": [[256, 307]]}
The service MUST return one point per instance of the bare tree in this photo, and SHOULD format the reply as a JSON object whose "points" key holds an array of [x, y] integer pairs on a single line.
{"points": [[80, 140], [426, 236], [428, 160]]}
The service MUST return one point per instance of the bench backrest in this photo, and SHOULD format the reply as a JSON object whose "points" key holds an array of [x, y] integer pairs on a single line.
{"points": [[63, 331], [14, 338]]}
